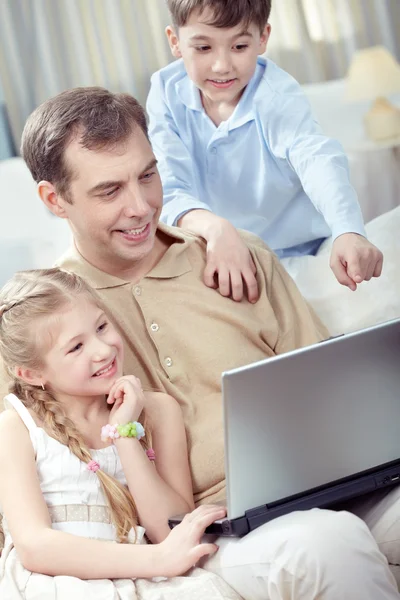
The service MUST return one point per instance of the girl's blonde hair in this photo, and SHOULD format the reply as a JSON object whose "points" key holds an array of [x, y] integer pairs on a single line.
{"points": [[28, 297]]}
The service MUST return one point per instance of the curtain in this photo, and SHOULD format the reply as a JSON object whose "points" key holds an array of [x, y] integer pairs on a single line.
{"points": [[314, 40], [6, 142], [47, 46]]}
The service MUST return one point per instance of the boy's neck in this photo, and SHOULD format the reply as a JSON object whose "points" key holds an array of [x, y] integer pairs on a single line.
{"points": [[219, 111]]}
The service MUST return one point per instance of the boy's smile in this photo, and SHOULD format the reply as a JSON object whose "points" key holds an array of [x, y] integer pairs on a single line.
{"points": [[219, 61]]}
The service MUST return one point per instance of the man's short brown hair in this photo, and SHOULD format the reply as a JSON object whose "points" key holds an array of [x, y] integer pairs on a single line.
{"points": [[226, 13], [100, 118]]}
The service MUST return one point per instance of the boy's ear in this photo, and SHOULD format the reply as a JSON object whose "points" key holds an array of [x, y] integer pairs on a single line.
{"points": [[51, 199], [29, 376], [173, 41], [264, 39]]}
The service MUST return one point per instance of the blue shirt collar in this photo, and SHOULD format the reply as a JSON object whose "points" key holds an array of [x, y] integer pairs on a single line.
{"points": [[244, 111]]}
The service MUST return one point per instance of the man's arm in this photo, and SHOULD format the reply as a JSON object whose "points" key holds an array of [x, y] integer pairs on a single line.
{"points": [[175, 164]]}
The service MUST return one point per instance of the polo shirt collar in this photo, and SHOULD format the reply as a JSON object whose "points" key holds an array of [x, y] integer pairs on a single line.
{"points": [[245, 111], [173, 264], [189, 94]]}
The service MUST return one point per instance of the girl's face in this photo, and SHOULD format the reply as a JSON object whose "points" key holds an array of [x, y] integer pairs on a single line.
{"points": [[86, 354]]}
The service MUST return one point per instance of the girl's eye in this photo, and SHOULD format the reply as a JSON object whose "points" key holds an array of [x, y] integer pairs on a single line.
{"points": [[76, 348], [102, 327]]}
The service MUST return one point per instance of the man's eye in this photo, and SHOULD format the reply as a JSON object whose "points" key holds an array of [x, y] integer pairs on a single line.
{"points": [[240, 47], [102, 327], [202, 48], [75, 348], [110, 193], [148, 176]]}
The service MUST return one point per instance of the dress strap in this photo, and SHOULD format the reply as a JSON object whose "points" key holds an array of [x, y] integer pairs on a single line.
{"points": [[12, 400]]}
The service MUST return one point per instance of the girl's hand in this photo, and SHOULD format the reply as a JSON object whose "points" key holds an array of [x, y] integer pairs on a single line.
{"points": [[128, 399], [183, 548]]}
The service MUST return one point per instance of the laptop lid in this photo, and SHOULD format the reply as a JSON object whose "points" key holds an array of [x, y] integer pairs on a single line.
{"points": [[312, 416]]}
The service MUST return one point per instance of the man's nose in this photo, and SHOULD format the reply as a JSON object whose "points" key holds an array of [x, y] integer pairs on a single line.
{"points": [[136, 205]]}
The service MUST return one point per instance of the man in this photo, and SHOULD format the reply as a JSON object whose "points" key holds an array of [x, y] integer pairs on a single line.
{"points": [[89, 153]]}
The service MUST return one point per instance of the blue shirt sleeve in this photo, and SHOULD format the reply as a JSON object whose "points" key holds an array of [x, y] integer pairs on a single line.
{"points": [[319, 161], [174, 161]]}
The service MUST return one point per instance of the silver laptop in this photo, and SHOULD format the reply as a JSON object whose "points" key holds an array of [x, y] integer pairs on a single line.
{"points": [[312, 427]]}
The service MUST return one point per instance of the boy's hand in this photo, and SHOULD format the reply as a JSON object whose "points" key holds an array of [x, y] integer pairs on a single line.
{"points": [[230, 266], [354, 259], [229, 262]]}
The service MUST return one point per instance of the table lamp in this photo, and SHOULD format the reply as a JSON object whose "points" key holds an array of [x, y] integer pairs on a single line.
{"points": [[373, 74]]}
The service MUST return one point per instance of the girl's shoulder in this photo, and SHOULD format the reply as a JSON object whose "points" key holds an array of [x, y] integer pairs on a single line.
{"points": [[12, 429]]}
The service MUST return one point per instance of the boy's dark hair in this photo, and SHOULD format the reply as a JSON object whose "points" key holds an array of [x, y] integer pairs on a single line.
{"points": [[101, 118], [226, 13]]}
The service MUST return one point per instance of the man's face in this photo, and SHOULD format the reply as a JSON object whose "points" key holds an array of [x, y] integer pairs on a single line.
{"points": [[220, 61], [116, 198]]}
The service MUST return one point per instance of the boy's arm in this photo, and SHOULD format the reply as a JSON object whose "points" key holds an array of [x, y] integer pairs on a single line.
{"points": [[175, 164], [229, 264], [322, 167]]}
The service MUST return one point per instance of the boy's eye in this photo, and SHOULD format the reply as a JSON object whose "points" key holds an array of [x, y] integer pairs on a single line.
{"points": [[202, 48], [76, 348], [102, 327], [241, 47]]}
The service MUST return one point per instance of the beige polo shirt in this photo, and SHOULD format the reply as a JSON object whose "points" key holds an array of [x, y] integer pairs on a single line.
{"points": [[180, 335]]}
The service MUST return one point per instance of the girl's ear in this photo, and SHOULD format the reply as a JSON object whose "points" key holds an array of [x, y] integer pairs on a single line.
{"points": [[173, 41], [30, 376]]}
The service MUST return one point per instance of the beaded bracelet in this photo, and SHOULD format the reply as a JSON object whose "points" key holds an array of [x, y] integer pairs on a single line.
{"points": [[130, 430]]}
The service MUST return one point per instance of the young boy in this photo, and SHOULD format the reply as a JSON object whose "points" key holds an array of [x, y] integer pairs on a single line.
{"points": [[238, 147]]}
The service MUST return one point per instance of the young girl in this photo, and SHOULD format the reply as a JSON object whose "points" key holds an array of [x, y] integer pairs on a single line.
{"points": [[77, 472]]}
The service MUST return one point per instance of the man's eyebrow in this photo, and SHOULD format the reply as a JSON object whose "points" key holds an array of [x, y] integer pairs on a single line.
{"points": [[151, 165], [104, 185]]}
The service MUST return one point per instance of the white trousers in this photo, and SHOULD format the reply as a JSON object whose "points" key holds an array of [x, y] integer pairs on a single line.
{"points": [[318, 554]]}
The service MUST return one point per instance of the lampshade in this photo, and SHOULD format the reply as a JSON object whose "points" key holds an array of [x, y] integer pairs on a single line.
{"points": [[373, 73]]}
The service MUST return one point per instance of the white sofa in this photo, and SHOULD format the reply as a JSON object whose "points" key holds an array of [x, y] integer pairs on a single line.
{"points": [[30, 236]]}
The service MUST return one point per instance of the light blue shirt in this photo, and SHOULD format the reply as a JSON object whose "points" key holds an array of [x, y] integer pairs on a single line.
{"points": [[267, 169]]}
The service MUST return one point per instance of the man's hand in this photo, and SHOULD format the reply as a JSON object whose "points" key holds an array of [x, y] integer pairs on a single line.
{"points": [[354, 259], [230, 267]]}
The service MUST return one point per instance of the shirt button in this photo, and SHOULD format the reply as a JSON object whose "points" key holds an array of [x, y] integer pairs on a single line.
{"points": [[138, 290], [154, 327], [168, 361], [213, 150]]}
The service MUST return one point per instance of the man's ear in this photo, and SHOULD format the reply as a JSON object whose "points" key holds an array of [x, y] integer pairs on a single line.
{"points": [[173, 41], [51, 199], [264, 38], [30, 376]]}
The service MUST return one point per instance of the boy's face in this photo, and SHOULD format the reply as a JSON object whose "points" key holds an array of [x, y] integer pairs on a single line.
{"points": [[219, 61]]}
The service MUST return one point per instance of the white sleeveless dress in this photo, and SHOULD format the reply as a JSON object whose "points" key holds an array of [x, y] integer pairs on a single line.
{"points": [[77, 505]]}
